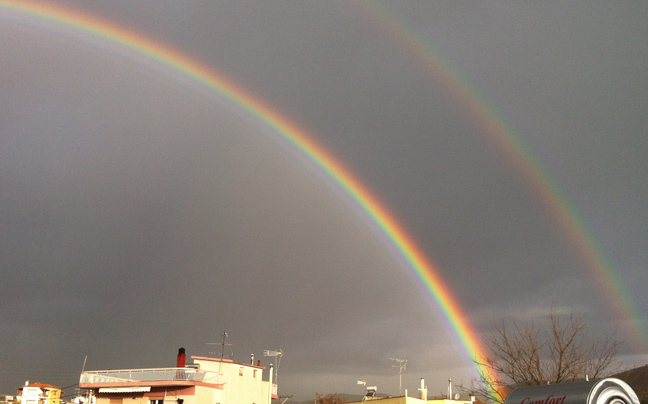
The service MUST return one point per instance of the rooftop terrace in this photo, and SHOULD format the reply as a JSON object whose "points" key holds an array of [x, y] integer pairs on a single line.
{"points": [[130, 376]]}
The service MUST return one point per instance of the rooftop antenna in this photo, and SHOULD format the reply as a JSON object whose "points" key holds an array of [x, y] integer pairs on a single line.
{"points": [[363, 383], [222, 344], [286, 397], [78, 389], [277, 355], [402, 365]]}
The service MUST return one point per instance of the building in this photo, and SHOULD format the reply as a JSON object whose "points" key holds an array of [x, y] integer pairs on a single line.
{"points": [[410, 400], [7, 399], [38, 393], [206, 381], [406, 399]]}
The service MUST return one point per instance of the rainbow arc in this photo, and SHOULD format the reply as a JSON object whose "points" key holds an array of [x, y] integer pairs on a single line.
{"points": [[111, 36]]}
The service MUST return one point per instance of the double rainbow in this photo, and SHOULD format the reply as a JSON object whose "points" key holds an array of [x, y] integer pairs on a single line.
{"points": [[110, 35]]}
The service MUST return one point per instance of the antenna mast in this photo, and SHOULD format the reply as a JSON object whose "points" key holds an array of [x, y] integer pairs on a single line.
{"points": [[222, 344], [402, 365], [277, 355]]}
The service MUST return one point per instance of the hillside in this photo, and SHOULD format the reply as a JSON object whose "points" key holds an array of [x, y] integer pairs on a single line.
{"points": [[637, 378]]}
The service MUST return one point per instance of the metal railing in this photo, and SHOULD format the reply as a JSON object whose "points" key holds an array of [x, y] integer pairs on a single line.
{"points": [[149, 375]]}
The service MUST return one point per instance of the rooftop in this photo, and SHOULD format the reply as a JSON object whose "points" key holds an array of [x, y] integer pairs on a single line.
{"points": [[134, 377]]}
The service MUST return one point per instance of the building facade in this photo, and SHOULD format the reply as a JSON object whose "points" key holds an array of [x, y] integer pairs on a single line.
{"points": [[38, 393], [423, 399], [410, 400], [206, 381]]}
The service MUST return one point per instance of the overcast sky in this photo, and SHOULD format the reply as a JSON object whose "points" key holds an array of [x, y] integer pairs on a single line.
{"points": [[139, 214]]}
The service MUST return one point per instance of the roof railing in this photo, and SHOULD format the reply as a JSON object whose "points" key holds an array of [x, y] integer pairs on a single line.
{"points": [[149, 375]]}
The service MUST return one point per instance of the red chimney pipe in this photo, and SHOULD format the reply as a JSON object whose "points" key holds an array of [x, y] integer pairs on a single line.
{"points": [[181, 358]]}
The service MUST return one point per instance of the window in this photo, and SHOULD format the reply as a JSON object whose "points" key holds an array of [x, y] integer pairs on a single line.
{"points": [[155, 401], [240, 371], [254, 374]]}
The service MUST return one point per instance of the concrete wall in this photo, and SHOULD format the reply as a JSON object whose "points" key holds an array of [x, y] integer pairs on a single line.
{"points": [[245, 386], [170, 395], [242, 383]]}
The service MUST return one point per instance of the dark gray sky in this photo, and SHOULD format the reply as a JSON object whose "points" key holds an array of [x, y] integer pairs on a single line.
{"points": [[139, 214]]}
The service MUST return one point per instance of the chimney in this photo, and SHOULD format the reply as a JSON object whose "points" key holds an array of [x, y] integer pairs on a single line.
{"points": [[423, 392], [181, 358], [26, 382], [450, 389], [270, 383], [251, 359]]}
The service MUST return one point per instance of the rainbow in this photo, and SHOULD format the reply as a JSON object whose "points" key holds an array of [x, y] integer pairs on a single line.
{"points": [[205, 77], [114, 36], [532, 171]]}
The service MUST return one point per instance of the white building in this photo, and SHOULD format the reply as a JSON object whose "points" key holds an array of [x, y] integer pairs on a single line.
{"points": [[207, 381], [38, 393]]}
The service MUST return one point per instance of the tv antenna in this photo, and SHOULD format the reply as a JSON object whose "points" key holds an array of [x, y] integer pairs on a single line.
{"points": [[277, 355], [402, 365], [286, 397], [223, 344]]}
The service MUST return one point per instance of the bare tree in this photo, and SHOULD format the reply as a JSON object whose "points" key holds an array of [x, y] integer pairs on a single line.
{"points": [[329, 399], [527, 354]]}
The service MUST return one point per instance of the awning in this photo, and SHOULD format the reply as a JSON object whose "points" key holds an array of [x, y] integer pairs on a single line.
{"points": [[124, 389]]}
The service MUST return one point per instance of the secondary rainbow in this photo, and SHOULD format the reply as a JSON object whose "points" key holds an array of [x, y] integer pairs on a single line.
{"points": [[110, 34], [522, 158]]}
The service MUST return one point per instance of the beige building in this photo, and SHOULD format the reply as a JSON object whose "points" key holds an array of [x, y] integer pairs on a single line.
{"points": [[406, 399], [410, 400], [207, 381]]}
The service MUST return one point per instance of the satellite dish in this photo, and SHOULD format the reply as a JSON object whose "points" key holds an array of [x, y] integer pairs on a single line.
{"points": [[457, 396]]}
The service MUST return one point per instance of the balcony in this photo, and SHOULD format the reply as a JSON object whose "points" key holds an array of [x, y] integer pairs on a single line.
{"points": [[131, 376]]}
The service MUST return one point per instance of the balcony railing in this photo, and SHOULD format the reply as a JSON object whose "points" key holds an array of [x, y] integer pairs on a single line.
{"points": [[149, 375]]}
